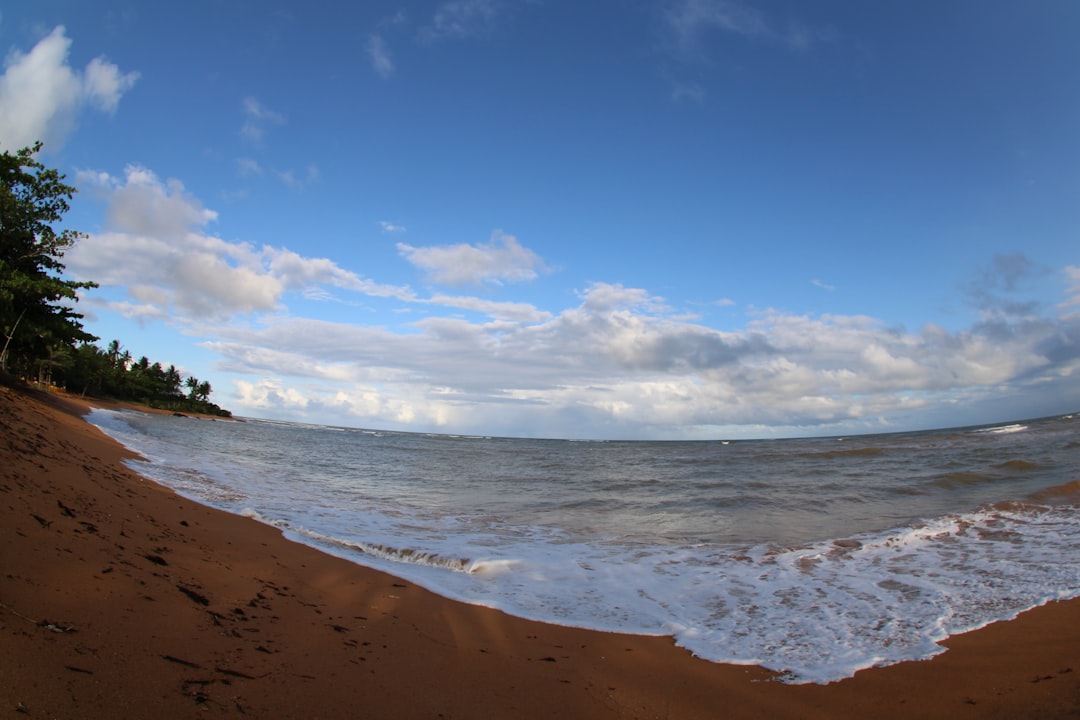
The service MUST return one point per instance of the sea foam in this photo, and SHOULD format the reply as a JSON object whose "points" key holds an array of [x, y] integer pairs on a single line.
{"points": [[610, 536]]}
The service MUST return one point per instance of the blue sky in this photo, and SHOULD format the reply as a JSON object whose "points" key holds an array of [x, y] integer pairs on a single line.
{"points": [[678, 219]]}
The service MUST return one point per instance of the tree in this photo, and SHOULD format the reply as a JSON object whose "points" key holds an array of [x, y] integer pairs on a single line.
{"points": [[90, 371], [112, 373], [171, 382], [36, 313], [114, 352]]}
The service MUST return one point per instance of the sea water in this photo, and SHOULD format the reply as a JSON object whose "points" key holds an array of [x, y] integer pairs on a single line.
{"points": [[812, 557]]}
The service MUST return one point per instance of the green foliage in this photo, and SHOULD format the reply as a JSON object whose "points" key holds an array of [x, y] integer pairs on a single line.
{"points": [[40, 327], [42, 334], [112, 373]]}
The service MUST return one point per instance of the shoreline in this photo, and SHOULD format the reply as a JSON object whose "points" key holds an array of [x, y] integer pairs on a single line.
{"points": [[122, 599]]}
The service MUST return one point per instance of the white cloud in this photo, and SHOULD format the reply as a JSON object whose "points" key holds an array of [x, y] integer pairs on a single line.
{"points": [[691, 91], [518, 312], [93, 178], [157, 248], [256, 119], [310, 177], [143, 204], [689, 18], [41, 96], [613, 366], [503, 259], [379, 53], [104, 85], [248, 167], [687, 21], [620, 362], [139, 311], [273, 397], [195, 273], [607, 297], [296, 272], [390, 227], [268, 394], [1072, 275], [798, 36], [462, 19]]}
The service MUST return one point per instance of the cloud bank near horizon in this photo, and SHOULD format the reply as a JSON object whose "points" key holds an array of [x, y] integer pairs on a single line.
{"points": [[468, 351], [616, 362]]}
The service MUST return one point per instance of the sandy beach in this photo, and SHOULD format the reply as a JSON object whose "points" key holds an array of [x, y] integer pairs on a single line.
{"points": [[121, 599]]}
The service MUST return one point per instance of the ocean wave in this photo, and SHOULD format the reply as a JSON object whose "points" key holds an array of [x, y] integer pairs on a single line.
{"points": [[815, 610], [1018, 465], [403, 555], [1066, 493], [1003, 429], [854, 452]]}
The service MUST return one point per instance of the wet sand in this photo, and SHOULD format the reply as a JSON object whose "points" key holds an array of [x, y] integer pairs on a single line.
{"points": [[121, 599]]}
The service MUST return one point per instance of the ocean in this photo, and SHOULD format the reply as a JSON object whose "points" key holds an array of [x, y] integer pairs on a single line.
{"points": [[812, 557]]}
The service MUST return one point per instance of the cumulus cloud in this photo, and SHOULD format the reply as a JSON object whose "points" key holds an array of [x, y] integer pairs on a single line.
{"points": [[619, 361], [273, 397], [617, 365], [144, 205], [501, 260], [41, 95], [268, 394], [156, 246], [104, 85]]}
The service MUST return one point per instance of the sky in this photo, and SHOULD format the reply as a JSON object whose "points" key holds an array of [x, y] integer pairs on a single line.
{"points": [[666, 219]]}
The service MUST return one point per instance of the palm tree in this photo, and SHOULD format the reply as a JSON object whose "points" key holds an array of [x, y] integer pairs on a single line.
{"points": [[114, 352], [172, 381]]}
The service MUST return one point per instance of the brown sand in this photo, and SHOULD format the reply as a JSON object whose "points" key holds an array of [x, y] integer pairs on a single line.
{"points": [[120, 599]]}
